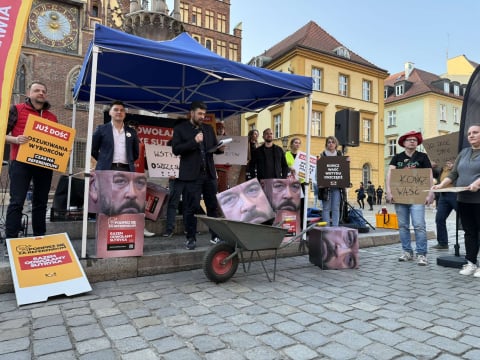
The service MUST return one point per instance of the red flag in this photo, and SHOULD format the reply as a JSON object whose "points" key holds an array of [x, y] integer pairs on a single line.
{"points": [[13, 19]]}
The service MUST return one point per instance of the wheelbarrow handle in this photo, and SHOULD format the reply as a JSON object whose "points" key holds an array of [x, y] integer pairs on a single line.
{"points": [[300, 234]]}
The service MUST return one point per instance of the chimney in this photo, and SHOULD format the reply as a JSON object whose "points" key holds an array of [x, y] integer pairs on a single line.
{"points": [[409, 66]]}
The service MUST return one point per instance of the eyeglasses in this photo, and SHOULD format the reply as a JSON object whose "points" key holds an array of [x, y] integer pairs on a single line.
{"points": [[414, 139]]}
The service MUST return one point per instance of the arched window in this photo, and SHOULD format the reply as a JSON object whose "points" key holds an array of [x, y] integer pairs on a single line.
{"points": [[366, 170]]}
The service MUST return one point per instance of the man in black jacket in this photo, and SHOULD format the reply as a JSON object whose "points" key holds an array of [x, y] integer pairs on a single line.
{"points": [[268, 160], [196, 143]]}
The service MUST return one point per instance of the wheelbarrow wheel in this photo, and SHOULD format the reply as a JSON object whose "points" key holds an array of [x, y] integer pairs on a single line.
{"points": [[213, 266]]}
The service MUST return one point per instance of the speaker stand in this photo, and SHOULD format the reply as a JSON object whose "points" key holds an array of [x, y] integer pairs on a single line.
{"points": [[453, 261]]}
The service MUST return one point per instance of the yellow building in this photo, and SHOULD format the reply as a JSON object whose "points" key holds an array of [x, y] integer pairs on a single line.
{"points": [[341, 80]]}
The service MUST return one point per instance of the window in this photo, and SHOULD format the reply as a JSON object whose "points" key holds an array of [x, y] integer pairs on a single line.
{"points": [[209, 20], [317, 79], [277, 126], [208, 44], [196, 16], [343, 52], [446, 87], [196, 37], [456, 90], [365, 173], [443, 112], [343, 85], [456, 119], [316, 123], [233, 52], [367, 130], [184, 11], [221, 23], [399, 90], [392, 147], [221, 48], [79, 150], [392, 118], [366, 90]]}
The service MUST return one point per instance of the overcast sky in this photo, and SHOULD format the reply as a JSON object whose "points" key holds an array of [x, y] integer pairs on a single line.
{"points": [[386, 33]]}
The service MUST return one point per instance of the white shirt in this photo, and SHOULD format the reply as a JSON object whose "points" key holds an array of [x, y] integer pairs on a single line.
{"points": [[120, 148]]}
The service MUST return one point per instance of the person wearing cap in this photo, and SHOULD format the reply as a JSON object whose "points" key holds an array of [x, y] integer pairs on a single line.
{"points": [[411, 159]]}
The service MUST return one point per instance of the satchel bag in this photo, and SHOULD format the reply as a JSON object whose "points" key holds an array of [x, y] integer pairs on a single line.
{"points": [[386, 221]]}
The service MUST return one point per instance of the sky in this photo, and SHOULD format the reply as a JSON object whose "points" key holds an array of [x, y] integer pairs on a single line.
{"points": [[387, 33]]}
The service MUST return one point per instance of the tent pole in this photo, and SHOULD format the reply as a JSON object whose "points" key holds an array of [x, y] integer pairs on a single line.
{"points": [[70, 167], [307, 173], [88, 152]]}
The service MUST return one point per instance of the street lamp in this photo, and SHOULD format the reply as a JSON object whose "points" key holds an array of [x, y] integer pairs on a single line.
{"points": [[285, 143]]}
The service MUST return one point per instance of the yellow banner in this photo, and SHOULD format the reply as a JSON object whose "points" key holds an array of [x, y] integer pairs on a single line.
{"points": [[50, 144], [13, 24]]}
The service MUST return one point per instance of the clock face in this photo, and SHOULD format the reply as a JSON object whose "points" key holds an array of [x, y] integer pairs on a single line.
{"points": [[54, 25]]}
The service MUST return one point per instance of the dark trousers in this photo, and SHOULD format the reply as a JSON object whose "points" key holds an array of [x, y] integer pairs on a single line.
{"points": [[203, 185], [446, 203], [470, 218], [370, 201], [176, 188], [21, 175]]}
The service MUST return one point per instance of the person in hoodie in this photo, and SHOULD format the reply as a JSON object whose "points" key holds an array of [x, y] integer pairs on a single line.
{"points": [[21, 174]]}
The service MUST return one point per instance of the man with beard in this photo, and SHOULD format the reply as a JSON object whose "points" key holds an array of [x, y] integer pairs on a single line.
{"points": [[268, 160], [334, 248], [22, 174], [284, 194], [118, 192], [246, 202], [196, 143]]}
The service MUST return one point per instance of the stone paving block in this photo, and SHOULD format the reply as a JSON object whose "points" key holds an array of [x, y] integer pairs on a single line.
{"points": [[417, 349], [19, 355], [225, 354], [93, 345], [379, 351], [304, 319], [47, 321], [351, 339], [472, 355], [289, 327], [64, 355], [415, 322], [146, 321], [311, 339], [51, 345], [256, 328], [276, 340], [209, 319], [14, 324], [105, 312], [49, 332], [130, 344], [386, 337], [181, 354], [146, 354], [45, 311], [86, 332], [222, 328], [14, 333], [106, 354], [77, 312], [11, 346], [335, 350], [240, 340], [300, 352], [262, 353], [121, 331], [206, 344], [189, 330], [114, 320], [81, 320], [154, 332], [167, 344], [449, 345]]}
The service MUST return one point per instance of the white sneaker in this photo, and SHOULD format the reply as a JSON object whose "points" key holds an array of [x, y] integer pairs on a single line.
{"points": [[406, 256], [147, 233], [422, 260], [477, 273], [468, 269]]}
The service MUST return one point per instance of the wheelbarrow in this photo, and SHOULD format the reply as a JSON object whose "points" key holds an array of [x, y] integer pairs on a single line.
{"points": [[220, 262]]}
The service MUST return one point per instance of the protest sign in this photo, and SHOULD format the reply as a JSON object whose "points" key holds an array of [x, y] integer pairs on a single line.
{"points": [[408, 185]]}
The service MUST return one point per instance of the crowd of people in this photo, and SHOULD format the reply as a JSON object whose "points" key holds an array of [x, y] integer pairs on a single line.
{"points": [[116, 146]]}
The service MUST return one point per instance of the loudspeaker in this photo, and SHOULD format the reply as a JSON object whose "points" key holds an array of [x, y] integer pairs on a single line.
{"points": [[347, 127]]}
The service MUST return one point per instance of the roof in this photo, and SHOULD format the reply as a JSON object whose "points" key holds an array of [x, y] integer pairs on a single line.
{"points": [[166, 76], [421, 83], [314, 38]]}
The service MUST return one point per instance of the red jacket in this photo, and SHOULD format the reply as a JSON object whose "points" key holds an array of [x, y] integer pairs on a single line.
{"points": [[17, 120]]}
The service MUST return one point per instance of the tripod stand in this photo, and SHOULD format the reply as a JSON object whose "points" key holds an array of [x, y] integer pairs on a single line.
{"points": [[346, 205], [453, 261]]}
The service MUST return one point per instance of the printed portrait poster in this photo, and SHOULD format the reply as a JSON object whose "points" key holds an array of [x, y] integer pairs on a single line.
{"points": [[162, 163], [156, 200], [285, 197], [301, 167], [440, 149], [120, 235], [235, 152], [246, 202], [50, 144], [408, 185], [45, 266], [333, 171]]}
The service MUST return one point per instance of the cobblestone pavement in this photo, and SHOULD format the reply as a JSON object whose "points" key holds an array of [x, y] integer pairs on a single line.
{"points": [[383, 310]]}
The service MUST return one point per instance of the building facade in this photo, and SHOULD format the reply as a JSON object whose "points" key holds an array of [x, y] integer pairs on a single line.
{"points": [[341, 80]]}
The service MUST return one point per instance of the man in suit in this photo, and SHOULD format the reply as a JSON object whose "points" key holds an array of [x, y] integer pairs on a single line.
{"points": [[115, 145], [196, 143]]}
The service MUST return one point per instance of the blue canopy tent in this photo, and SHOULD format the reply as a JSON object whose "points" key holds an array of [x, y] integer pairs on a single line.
{"points": [[166, 76]]}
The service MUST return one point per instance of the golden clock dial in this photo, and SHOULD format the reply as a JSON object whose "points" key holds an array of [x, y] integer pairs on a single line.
{"points": [[54, 25]]}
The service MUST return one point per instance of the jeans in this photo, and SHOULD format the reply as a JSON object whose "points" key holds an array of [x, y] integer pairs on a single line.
{"points": [[416, 213], [203, 185], [176, 189], [332, 205], [446, 203], [470, 218], [21, 175]]}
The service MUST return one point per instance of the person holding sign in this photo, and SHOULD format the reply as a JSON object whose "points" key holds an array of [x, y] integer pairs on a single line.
{"points": [[331, 197], [290, 156], [411, 159], [466, 173], [21, 174]]}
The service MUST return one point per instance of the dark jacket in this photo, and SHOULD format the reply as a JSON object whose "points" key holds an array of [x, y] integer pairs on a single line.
{"points": [[103, 146], [257, 164], [184, 144]]}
